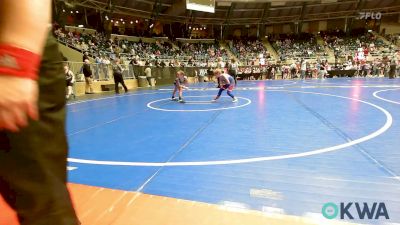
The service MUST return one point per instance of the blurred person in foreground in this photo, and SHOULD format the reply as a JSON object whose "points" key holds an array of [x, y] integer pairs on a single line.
{"points": [[33, 144]]}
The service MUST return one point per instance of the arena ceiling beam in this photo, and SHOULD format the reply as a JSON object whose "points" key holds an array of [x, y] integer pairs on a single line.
{"points": [[299, 24], [227, 18], [177, 12], [285, 7], [178, 8], [152, 2], [271, 20], [102, 6], [229, 13], [125, 2], [156, 9], [240, 10], [359, 7], [191, 22], [266, 13], [332, 3]]}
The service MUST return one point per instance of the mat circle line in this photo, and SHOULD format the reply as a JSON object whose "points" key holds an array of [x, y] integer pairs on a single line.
{"points": [[384, 128], [149, 105], [375, 94]]}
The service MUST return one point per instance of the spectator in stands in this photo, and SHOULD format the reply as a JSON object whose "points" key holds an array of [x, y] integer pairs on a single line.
{"points": [[220, 63], [105, 66], [176, 63], [87, 72], [248, 50], [190, 62], [163, 64], [118, 77], [301, 46], [134, 62], [85, 56], [97, 67], [84, 46]]}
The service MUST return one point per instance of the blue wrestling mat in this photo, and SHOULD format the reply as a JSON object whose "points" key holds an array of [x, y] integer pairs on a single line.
{"points": [[288, 146]]}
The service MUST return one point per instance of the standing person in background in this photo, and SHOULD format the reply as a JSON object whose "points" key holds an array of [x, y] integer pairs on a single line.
{"points": [[293, 70], [33, 143], [147, 71], [118, 78], [87, 72], [397, 68], [70, 80], [285, 71], [392, 68], [273, 72], [303, 69], [233, 69]]}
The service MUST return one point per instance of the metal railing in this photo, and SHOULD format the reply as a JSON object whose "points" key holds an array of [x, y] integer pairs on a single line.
{"points": [[196, 58], [102, 72]]}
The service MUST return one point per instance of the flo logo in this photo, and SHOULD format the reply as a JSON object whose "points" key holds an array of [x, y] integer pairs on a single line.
{"points": [[369, 15], [354, 209]]}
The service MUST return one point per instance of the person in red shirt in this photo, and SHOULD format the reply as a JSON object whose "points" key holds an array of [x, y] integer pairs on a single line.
{"points": [[366, 52]]}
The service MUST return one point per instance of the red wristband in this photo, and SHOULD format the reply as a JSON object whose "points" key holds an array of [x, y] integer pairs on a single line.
{"points": [[18, 62]]}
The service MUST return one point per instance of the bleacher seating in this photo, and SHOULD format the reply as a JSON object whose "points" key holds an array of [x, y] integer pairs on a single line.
{"points": [[292, 50], [297, 47], [247, 51]]}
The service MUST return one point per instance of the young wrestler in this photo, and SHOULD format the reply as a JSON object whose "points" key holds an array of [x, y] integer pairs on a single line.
{"points": [[70, 80], [225, 82], [180, 83]]}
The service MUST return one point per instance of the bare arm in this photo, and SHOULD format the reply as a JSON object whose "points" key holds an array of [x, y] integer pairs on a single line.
{"points": [[23, 24]]}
